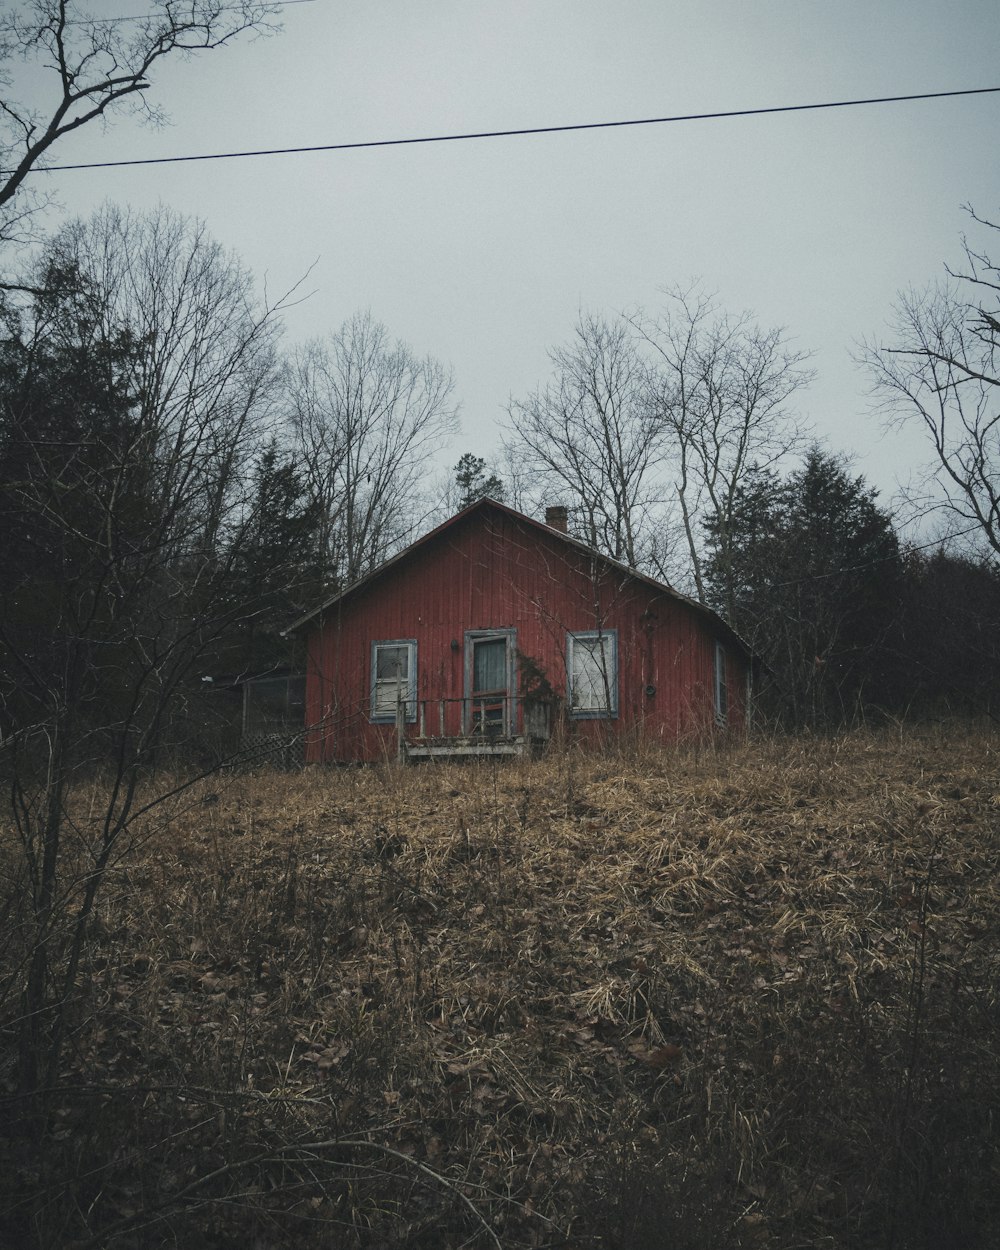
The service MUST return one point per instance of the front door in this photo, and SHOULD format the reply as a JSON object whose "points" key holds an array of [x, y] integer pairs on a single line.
{"points": [[489, 685]]}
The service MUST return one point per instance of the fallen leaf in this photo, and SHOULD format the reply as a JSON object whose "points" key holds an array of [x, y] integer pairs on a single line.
{"points": [[659, 1056]]}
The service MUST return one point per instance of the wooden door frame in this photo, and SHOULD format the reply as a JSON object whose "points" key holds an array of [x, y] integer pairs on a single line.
{"points": [[472, 636]]}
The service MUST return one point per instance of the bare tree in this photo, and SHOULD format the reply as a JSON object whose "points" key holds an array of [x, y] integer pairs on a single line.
{"points": [[135, 385], [366, 418], [97, 67], [721, 388], [942, 371], [206, 377], [589, 439]]}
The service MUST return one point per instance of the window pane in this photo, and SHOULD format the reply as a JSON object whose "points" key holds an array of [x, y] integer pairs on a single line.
{"points": [[392, 662], [394, 670], [387, 695], [489, 665], [721, 691], [592, 677]]}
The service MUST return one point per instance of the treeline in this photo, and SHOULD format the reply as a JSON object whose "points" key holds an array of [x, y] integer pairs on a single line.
{"points": [[676, 443], [849, 623], [175, 486]]}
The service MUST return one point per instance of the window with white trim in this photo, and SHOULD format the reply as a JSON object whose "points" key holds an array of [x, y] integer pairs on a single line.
{"points": [[721, 688], [592, 668], [394, 679]]}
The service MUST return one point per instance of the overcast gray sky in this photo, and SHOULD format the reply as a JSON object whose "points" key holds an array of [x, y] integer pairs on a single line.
{"points": [[483, 253]]}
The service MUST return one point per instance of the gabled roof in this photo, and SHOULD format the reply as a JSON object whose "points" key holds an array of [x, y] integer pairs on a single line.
{"points": [[486, 505]]}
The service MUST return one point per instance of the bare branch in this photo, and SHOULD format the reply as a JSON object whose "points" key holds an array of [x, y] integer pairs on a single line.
{"points": [[723, 388], [939, 370], [366, 417], [98, 68], [590, 438]]}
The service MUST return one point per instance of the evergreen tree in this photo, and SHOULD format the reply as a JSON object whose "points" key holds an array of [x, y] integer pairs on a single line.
{"points": [[949, 641], [275, 566], [811, 576], [137, 381], [473, 482], [74, 501], [739, 566]]}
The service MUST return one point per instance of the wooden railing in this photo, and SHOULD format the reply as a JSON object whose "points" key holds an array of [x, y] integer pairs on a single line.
{"points": [[485, 717], [490, 714]]}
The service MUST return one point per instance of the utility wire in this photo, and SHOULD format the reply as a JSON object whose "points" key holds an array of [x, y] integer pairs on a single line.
{"points": [[152, 17], [905, 549], [509, 134]]}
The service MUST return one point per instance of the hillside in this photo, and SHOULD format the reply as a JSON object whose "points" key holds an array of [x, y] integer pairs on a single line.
{"points": [[744, 997]]}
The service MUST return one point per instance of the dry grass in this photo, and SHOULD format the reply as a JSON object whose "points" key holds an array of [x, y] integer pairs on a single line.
{"points": [[691, 999]]}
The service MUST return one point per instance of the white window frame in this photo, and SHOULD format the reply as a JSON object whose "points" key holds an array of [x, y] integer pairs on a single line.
{"points": [[382, 716], [609, 640], [720, 685]]}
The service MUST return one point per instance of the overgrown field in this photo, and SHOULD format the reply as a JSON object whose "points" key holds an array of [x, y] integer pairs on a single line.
{"points": [[675, 999]]}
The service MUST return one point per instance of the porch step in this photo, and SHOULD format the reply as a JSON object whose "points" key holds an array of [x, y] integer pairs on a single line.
{"points": [[454, 748]]}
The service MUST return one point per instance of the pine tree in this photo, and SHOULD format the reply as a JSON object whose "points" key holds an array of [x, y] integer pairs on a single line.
{"points": [[473, 482], [813, 580], [275, 574]]}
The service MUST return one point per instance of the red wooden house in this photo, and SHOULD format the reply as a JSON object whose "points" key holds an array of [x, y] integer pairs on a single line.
{"points": [[495, 630]]}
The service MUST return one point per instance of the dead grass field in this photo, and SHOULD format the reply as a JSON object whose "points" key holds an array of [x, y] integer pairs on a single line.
{"points": [[745, 997]]}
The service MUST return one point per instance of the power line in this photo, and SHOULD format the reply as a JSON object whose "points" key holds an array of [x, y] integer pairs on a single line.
{"points": [[152, 17], [510, 134], [871, 564]]}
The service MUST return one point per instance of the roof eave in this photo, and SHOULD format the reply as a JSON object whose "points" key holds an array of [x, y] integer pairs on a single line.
{"points": [[481, 505], [297, 624]]}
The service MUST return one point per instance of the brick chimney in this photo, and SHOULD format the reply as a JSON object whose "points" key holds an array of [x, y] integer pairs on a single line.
{"points": [[557, 518]]}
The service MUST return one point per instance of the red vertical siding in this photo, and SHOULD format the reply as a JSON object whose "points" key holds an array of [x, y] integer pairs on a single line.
{"points": [[492, 570]]}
